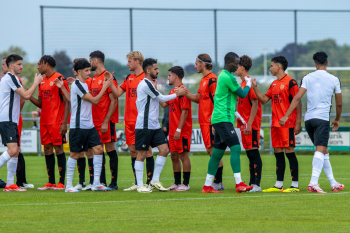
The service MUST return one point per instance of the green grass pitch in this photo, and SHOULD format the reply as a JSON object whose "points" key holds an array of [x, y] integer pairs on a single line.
{"points": [[119, 211]]}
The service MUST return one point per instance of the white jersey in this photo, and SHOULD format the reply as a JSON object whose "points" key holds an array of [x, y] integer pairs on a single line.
{"points": [[81, 110], [148, 105], [320, 86], [9, 99]]}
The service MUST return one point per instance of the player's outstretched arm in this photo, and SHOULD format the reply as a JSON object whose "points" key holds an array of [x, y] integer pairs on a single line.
{"points": [[164, 105], [26, 94], [95, 100], [262, 98], [192, 97], [111, 109], [117, 91], [59, 83], [253, 112], [295, 103], [339, 109], [235, 88], [182, 122]]}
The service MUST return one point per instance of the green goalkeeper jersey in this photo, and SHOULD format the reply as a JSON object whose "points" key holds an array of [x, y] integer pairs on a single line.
{"points": [[225, 98]]}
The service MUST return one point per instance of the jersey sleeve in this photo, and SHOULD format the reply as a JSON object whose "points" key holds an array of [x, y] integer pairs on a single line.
{"points": [[232, 83], [293, 87], [81, 91], [109, 91], [14, 82], [124, 84], [212, 88], [252, 95], [185, 103], [337, 88], [303, 82], [269, 92], [65, 84]]}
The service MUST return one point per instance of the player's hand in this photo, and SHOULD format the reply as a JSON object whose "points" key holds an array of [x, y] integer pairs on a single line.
{"points": [[297, 128], [248, 130], [38, 79], [58, 83], [213, 130], [71, 80], [107, 82], [109, 75], [177, 136], [283, 120], [104, 127], [335, 125], [248, 81], [165, 129], [63, 129], [254, 83], [180, 91]]}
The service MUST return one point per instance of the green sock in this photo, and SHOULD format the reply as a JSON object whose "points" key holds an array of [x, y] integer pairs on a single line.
{"points": [[214, 161], [235, 158]]}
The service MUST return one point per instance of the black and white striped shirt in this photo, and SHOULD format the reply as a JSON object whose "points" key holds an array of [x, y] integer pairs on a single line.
{"points": [[9, 99], [148, 105], [81, 113]]}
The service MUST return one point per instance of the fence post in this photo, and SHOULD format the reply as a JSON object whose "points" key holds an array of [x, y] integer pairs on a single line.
{"points": [[131, 29], [216, 43], [42, 29], [270, 119], [295, 38]]}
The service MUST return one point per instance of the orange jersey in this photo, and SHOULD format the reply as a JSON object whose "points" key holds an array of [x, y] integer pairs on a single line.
{"points": [[130, 87], [245, 107], [52, 104], [175, 108], [206, 91], [281, 93], [99, 111]]}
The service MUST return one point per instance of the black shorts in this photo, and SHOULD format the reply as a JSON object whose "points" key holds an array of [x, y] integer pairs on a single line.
{"points": [[144, 138], [82, 139], [9, 132], [318, 131], [225, 135]]}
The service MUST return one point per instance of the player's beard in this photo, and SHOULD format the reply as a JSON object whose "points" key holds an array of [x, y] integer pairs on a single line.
{"points": [[154, 76], [93, 68]]}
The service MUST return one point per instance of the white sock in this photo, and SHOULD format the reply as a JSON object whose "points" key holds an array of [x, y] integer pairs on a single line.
{"points": [[159, 164], [327, 168], [317, 165], [4, 158], [238, 178], [97, 168], [70, 172], [295, 184], [279, 184], [139, 173], [209, 180], [11, 171]]}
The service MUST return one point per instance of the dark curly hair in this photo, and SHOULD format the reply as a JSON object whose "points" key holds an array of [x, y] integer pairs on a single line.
{"points": [[281, 60], [47, 59], [98, 54], [81, 64], [207, 59], [320, 58], [178, 70], [246, 62], [148, 62]]}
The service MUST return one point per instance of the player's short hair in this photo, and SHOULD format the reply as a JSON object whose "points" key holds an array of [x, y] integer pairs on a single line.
{"points": [[230, 57], [47, 59], [99, 55], [178, 70], [136, 55], [81, 64], [320, 58], [246, 62], [203, 57], [148, 62], [4, 58], [13, 58], [280, 60], [79, 59]]}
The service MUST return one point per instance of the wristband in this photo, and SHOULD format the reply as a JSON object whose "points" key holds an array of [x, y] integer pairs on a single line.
{"points": [[178, 130]]}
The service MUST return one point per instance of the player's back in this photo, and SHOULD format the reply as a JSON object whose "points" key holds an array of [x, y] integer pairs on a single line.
{"points": [[81, 110], [320, 86], [206, 91]]}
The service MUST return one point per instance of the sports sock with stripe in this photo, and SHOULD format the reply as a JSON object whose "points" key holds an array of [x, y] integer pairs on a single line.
{"points": [[294, 168], [103, 171], [257, 163], [50, 167], [61, 162], [81, 165], [327, 168], [91, 170], [317, 165], [280, 167], [97, 168], [218, 175], [139, 173], [113, 165], [24, 171], [11, 171], [70, 172], [133, 160], [159, 164], [186, 178], [149, 168], [251, 167]]}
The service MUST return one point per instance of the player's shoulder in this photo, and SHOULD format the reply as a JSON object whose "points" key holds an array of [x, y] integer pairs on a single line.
{"points": [[212, 79], [59, 76], [130, 76]]}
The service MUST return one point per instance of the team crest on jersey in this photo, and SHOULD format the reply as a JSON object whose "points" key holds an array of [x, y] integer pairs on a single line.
{"points": [[51, 83], [99, 82], [282, 86]]}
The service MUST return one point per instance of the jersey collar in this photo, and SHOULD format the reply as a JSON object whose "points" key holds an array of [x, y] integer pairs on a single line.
{"points": [[137, 76], [285, 75], [98, 75], [207, 75], [51, 75]]}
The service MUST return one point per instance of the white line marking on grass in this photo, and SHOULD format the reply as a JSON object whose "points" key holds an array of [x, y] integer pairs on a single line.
{"points": [[174, 199]]}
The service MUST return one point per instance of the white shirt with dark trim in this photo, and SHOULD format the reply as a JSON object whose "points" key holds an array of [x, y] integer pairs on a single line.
{"points": [[81, 110], [320, 86], [9, 99], [147, 104]]}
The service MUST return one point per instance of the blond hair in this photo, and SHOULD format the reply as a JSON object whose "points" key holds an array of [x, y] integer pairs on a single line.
{"points": [[79, 59], [136, 55]]}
